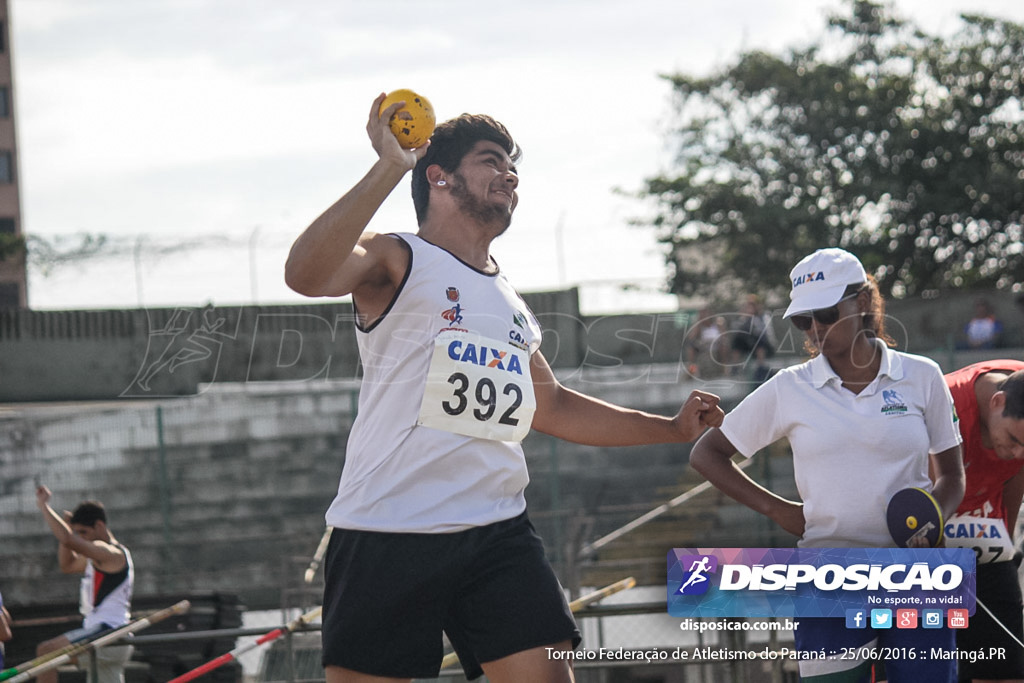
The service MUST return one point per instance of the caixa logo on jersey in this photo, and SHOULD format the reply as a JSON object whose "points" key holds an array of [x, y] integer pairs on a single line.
{"points": [[816, 582], [483, 355]]}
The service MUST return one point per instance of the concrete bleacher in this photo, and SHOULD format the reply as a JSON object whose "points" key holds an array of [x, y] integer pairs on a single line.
{"points": [[709, 519], [214, 492], [209, 492]]}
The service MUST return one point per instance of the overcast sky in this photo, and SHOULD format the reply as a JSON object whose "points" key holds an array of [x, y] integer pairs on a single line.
{"points": [[228, 125]]}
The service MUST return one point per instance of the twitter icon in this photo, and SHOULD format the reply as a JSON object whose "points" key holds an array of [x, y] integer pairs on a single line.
{"points": [[881, 618]]}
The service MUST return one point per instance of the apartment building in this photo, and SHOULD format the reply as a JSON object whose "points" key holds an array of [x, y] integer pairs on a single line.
{"points": [[13, 281]]}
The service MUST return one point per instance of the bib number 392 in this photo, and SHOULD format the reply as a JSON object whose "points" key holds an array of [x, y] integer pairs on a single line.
{"points": [[478, 387]]}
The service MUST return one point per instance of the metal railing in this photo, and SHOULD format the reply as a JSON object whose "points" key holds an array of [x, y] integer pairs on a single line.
{"points": [[636, 640]]}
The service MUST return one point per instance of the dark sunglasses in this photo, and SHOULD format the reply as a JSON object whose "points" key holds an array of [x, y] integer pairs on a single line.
{"points": [[824, 316]]}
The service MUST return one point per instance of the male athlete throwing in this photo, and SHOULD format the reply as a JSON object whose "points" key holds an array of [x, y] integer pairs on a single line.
{"points": [[430, 531]]}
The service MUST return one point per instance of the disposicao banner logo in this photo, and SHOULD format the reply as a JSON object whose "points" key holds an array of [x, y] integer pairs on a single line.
{"points": [[817, 582]]}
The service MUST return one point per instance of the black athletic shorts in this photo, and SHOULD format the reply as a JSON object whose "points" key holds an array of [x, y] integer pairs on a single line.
{"points": [[389, 596], [999, 590]]}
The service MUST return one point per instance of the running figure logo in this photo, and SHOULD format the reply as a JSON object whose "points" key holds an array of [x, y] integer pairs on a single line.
{"points": [[892, 397], [698, 568], [453, 314], [894, 402], [188, 337]]}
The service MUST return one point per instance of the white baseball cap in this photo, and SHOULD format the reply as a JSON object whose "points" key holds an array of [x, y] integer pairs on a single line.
{"points": [[820, 280]]}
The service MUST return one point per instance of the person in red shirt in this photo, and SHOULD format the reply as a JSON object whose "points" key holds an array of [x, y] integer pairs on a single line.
{"points": [[989, 401]]}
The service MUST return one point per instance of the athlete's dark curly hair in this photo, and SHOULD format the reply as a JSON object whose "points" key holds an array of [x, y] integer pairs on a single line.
{"points": [[88, 513], [451, 141]]}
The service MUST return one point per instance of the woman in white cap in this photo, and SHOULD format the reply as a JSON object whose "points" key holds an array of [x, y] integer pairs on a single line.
{"points": [[862, 420]]}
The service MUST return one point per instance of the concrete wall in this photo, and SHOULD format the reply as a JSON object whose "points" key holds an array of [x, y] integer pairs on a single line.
{"points": [[153, 353], [932, 326]]}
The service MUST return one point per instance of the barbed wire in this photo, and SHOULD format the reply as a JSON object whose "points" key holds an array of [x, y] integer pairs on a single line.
{"points": [[45, 253]]}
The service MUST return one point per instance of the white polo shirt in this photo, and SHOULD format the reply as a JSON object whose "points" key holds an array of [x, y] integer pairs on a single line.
{"points": [[851, 452]]}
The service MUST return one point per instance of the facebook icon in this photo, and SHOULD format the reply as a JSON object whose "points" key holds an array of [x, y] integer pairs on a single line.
{"points": [[856, 618]]}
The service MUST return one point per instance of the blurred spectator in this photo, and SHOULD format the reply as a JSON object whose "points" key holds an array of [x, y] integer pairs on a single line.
{"points": [[700, 340], [984, 330], [752, 335]]}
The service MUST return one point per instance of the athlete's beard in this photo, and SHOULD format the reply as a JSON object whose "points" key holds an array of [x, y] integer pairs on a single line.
{"points": [[486, 214]]}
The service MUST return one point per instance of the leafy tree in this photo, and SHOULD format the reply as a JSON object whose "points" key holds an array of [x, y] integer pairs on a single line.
{"points": [[905, 148], [12, 247], [47, 254]]}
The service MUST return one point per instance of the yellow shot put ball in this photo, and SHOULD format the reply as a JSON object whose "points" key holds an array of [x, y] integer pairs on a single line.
{"points": [[413, 124]]}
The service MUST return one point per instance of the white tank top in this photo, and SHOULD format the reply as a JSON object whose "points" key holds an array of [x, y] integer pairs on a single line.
{"points": [[444, 455], [107, 598]]}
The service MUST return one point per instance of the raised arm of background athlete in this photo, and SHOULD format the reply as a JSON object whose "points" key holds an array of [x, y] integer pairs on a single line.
{"points": [[333, 257], [74, 549]]}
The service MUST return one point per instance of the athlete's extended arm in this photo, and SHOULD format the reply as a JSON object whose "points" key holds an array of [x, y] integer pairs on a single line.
{"points": [[712, 457], [329, 258], [579, 418], [70, 562]]}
